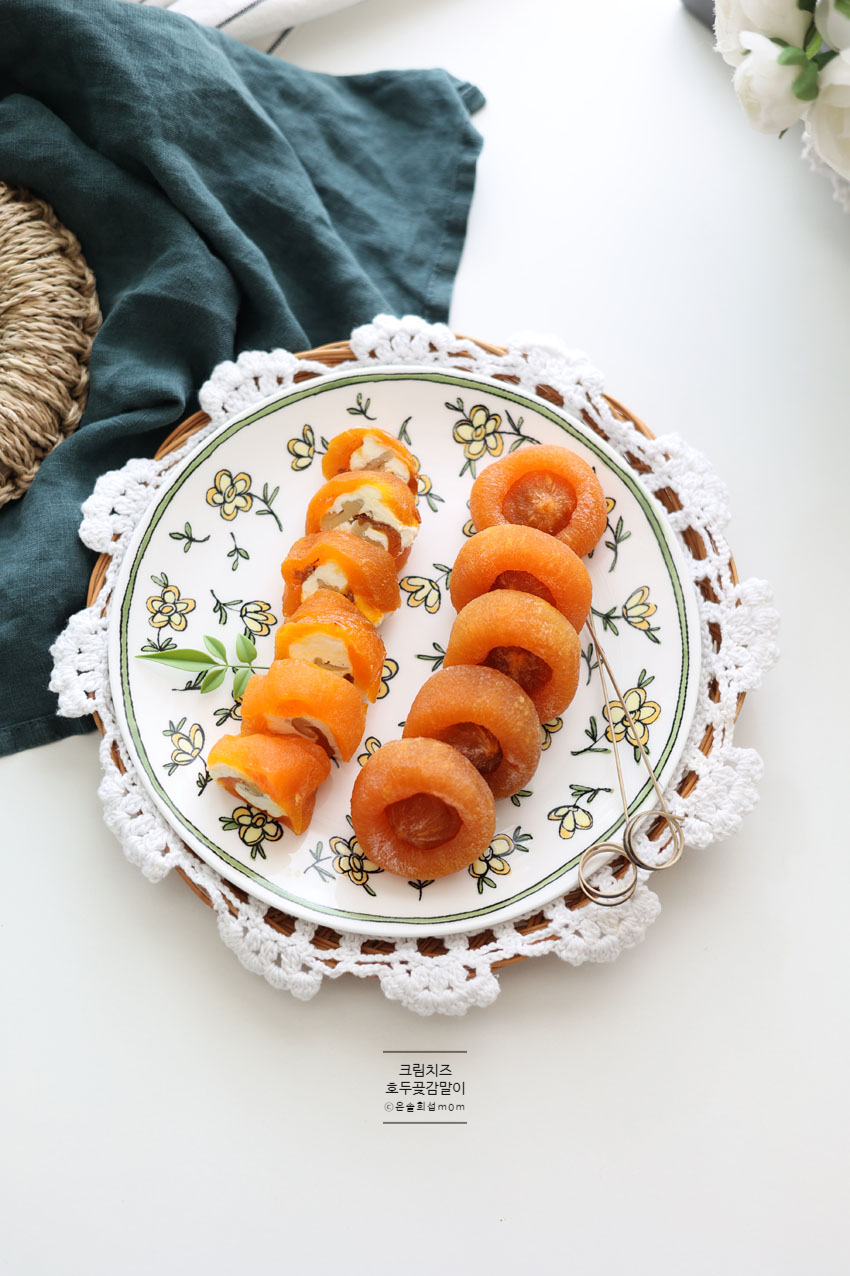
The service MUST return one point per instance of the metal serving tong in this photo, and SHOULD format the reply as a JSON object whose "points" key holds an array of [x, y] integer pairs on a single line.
{"points": [[626, 887]]}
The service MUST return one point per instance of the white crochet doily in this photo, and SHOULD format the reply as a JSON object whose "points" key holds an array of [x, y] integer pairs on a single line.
{"points": [[738, 633]]}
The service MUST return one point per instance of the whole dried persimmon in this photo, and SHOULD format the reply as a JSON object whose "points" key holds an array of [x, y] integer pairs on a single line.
{"points": [[523, 637], [507, 556], [546, 487], [420, 809], [487, 717]]}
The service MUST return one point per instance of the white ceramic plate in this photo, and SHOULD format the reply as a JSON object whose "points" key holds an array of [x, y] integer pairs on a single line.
{"points": [[205, 561]]}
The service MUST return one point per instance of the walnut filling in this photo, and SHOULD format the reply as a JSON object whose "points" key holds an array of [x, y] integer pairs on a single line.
{"points": [[542, 500], [530, 671], [311, 732], [352, 517], [372, 456], [478, 745], [323, 576], [525, 582], [423, 820]]}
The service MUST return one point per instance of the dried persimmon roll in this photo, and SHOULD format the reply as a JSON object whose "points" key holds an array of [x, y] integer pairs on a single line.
{"points": [[360, 570], [331, 632], [368, 503], [546, 487], [278, 774], [487, 717], [297, 698], [364, 448], [508, 556], [524, 637], [420, 809]]}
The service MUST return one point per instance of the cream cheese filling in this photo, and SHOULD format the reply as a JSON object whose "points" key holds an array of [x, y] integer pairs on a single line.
{"points": [[373, 455], [308, 727], [323, 650], [246, 789], [326, 576], [367, 500]]}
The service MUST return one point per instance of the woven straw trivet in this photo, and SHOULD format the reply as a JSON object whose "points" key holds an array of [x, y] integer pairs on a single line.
{"points": [[325, 937], [49, 315]]}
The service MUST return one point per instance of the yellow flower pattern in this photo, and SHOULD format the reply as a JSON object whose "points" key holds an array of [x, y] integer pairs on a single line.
{"points": [[425, 490], [478, 433], [302, 450], [350, 862], [388, 672], [495, 858], [372, 745], [187, 745], [257, 617], [643, 712], [167, 608], [637, 610], [230, 493], [421, 592], [548, 729], [571, 819], [254, 827]]}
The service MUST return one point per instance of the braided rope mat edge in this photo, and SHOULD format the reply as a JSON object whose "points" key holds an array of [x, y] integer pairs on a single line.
{"points": [[49, 315]]}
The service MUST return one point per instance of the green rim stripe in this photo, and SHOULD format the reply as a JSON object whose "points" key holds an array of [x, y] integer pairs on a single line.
{"points": [[357, 379]]}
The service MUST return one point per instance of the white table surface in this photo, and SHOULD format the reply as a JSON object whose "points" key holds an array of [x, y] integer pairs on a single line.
{"points": [[680, 1111]]}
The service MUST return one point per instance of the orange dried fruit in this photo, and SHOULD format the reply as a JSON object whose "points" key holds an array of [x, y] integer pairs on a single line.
{"points": [[358, 569], [420, 809], [278, 774], [364, 448], [487, 717], [329, 631], [546, 487], [297, 698], [508, 556], [523, 637], [368, 503]]}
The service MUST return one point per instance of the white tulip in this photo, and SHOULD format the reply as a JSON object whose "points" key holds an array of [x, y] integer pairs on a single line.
{"points": [[763, 86], [765, 17], [833, 25], [828, 120]]}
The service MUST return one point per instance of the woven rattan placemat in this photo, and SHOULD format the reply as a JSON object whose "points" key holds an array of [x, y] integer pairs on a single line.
{"points": [[49, 315]]}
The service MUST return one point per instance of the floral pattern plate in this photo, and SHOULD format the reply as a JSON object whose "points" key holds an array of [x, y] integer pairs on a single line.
{"points": [[203, 575]]}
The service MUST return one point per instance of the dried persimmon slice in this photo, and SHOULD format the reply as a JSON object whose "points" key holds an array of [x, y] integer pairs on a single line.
{"points": [[420, 809], [278, 774], [546, 487], [297, 698], [370, 503], [523, 637], [364, 448], [358, 569], [508, 556], [331, 632], [487, 717]]}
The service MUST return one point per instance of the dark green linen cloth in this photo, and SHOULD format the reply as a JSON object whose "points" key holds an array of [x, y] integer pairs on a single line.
{"points": [[225, 201]]}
